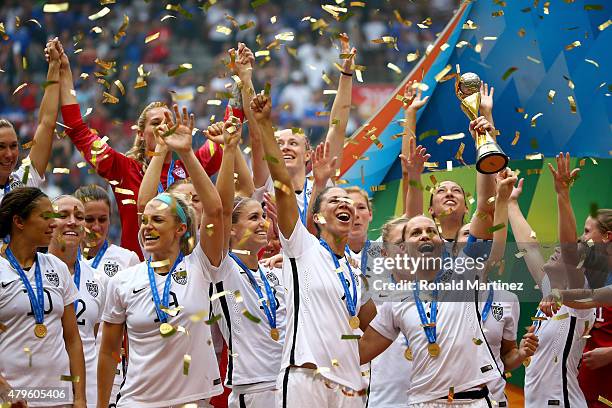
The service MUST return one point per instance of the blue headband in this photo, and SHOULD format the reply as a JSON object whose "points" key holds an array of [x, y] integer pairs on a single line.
{"points": [[168, 199]]}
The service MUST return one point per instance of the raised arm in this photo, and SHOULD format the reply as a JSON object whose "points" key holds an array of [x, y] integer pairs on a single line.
{"points": [[341, 108], [285, 196], [74, 348], [505, 181], [47, 114], [524, 237], [107, 361], [225, 179], [244, 182], [211, 225], [371, 344], [413, 158], [485, 189], [150, 181], [323, 167]]}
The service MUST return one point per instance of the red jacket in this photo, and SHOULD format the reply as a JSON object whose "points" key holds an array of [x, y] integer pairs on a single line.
{"points": [[127, 172]]}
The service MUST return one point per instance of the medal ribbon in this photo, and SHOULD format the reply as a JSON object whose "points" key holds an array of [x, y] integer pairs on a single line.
{"points": [[304, 210], [169, 178], [487, 307], [77, 276], [430, 331], [351, 301], [37, 300], [364, 256], [161, 315], [269, 307], [100, 255]]}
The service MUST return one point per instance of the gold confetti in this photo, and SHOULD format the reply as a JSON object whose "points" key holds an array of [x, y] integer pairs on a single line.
{"points": [[537, 61], [152, 37], [572, 104], [350, 337], [572, 45], [496, 228], [412, 56], [252, 318], [215, 102], [597, 7], [20, 87], [99, 14], [476, 341], [489, 38], [509, 72], [539, 318], [55, 8], [180, 70], [517, 134], [70, 378], [551, 95], [175, 310], [535, 156], [602, 27], [283, 187], [521, 32], [394, 68], [108, 98], [357, 4], [61, 170], [128, 201], [469, 25], [381, 187], [286, 36], [223, 30], [592, 62], [186, 364], [442, 73], [534, 118], [561, 317], [602, 399]]}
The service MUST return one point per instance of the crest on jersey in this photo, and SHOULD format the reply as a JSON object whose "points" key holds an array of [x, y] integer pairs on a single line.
{"points": [[180, 277], [498, 312], [92, 288], [52, 277], [272, 278], [179, 172], [111, 269]]}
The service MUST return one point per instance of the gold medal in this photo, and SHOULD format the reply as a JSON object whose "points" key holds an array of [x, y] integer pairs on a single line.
{"points": [[166, 329], [40, 330], [354, 322], [433, 349], [408, 354], [274, 334]]}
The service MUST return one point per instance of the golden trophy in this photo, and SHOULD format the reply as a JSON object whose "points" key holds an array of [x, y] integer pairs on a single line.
{"points": [[489, 156]]}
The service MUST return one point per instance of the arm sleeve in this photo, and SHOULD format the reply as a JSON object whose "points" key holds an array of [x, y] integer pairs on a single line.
{"points": [[211, 273], [267, 187], [210, 155], [114, 309], [299, 242], [133, 259], [108, 163], [511, 324], [384, 323]]}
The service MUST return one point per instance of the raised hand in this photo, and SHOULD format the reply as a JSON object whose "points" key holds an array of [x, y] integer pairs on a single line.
{"points": [[347, 63], [177, 136], [242, 61], [322, 164], [517, 191], [505, 183], [231, 132], [480, 125], [528, 344], [414, 97], [486, 98], [415, 162], [551, 304], [52, 52], [563, 176], [261, 107]]}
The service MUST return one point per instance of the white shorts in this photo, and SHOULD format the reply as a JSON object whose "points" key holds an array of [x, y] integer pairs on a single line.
{"points": [[303, 389], [479, 403], [261, 399]]}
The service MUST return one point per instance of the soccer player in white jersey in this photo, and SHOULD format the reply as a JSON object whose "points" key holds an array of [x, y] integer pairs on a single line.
{"points": [[67, 236], [258, 344], [320, 365], [162, 301], [499, 312], [32, 170], [294, 143], [450, 365], [102, 255], [551, 374], [40, 347]]}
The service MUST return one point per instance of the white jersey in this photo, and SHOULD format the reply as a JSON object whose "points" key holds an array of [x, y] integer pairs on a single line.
{"points": [[16, 179], [90, 305], [257, 356], [115, 259], [317, 314], [390, 376], [46, 359], [155, 364], [551, 377], [501, 324], [461, 364]]}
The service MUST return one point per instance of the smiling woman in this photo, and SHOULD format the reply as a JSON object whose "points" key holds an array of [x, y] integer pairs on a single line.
{"points": [[37, 301]]}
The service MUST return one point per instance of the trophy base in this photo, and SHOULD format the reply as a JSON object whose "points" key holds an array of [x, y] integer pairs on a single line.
{"points": [[491, 162]]}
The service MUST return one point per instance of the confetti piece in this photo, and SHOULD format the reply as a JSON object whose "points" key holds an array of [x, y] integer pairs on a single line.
{"points": [[489, 38], [520, 254], [551, 95], [455, 136], [286, 36], [534, 118], [99, 14], [394, 68], [561, 317], [496, 228], [539, 318], [20, 87], [412, 56], [252, 318], [428, 133], [476, 341], [597, 7], [602, 27], [498, 13], [70, 378], [160, 264], [258, 3], [213, 320], [381, 187], [152, 37], [283, 187], [128, 201], [180, 70], [442, 73], [537, 61], [509, 72], [124, 191], [572, 104], [451, 394], [55, 8], [350, 337], [469, 25], [175, 310], [572, 45], [61, 170], [604, 401], [517, 134]]}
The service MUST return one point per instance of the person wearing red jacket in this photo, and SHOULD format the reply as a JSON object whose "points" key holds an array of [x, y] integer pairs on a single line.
{"points": [[125, 171]]}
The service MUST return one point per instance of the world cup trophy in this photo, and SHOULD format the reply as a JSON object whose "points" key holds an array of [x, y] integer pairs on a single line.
{"points": [[489, 156]]}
